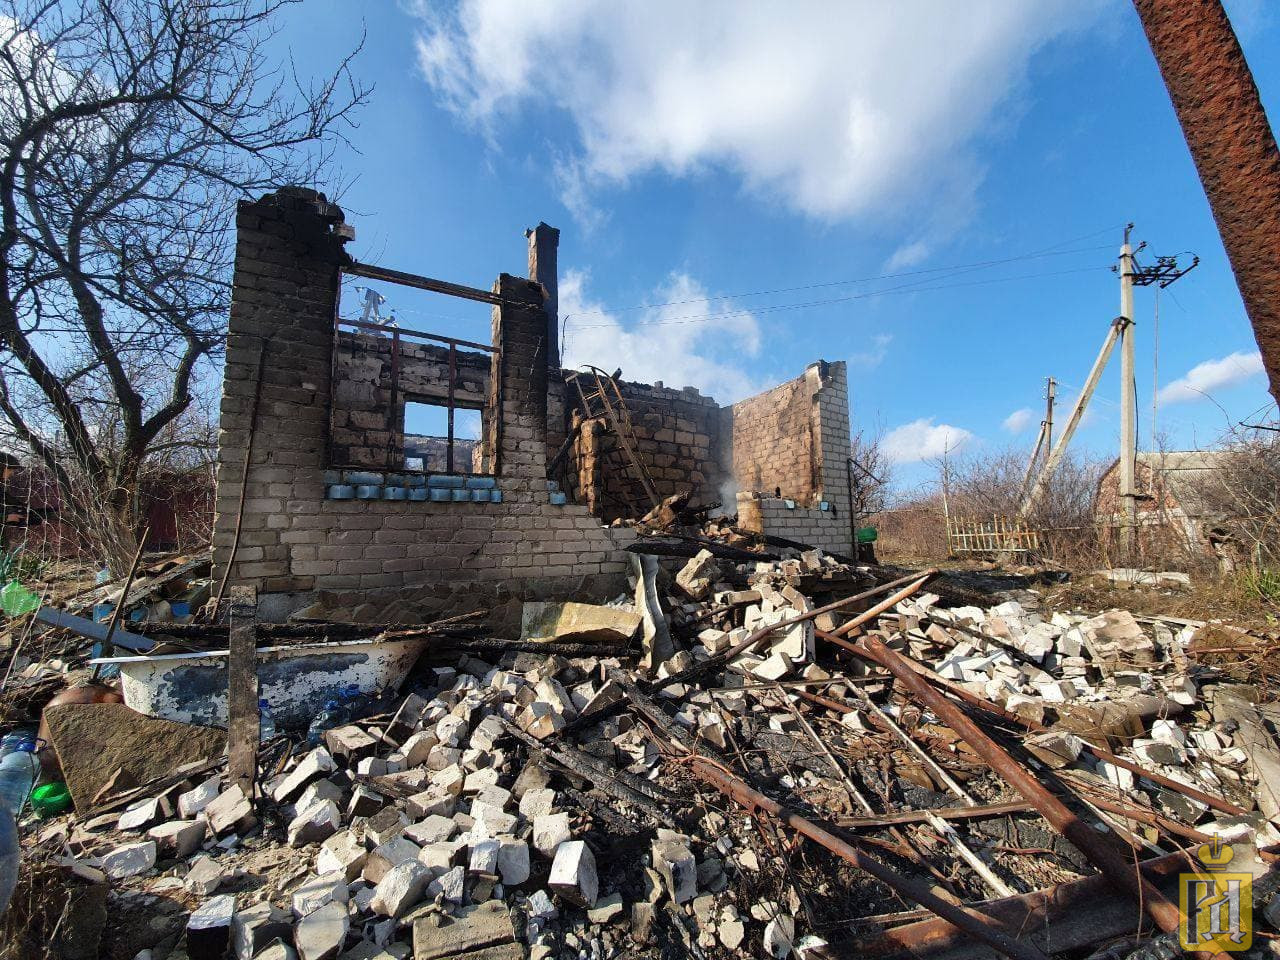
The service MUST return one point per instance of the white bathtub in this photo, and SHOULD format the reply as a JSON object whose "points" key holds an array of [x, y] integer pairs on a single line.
{"points": [[295, 680]]}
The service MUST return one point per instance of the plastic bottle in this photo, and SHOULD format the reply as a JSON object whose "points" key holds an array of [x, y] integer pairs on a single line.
{"points": [[18, 772], [12, 740], [266, 722], [326, 719]]}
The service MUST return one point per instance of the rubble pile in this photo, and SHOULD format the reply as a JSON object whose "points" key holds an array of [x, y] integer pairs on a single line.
{"points": [[511, 803]]}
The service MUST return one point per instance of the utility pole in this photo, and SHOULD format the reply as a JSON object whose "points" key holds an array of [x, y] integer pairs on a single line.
{"points": [[1044, 439], [1128, 402], [1050, 393], [1132, 274]]}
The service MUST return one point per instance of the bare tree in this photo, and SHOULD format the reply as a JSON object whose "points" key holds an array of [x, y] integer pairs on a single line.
{"points": [[870, 473], [128, 130]]}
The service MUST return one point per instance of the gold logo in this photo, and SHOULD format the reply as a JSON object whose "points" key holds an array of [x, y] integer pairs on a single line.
{"points": [[1217, 906]]}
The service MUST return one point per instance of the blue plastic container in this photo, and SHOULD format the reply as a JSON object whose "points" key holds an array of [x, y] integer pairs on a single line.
{"points": [[102, 611], [440, 495], [180, 608], [481, 483], [341, 491], [445, 480], [460, 495], [419, 494], [368, 492], [394, 493], [480, 496]]}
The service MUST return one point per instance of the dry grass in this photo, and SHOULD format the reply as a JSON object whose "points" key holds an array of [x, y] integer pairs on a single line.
{"points": [[40, 908]]}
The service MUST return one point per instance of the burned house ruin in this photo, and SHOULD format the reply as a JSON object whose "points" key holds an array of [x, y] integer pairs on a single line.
{"points": [[339, 500]]}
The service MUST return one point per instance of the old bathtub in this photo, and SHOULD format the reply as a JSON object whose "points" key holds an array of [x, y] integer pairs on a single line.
{"points": [[295, 680]]}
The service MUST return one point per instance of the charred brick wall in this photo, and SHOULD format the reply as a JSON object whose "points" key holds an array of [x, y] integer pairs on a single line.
{"points": [[677, 434], [416, 559], [772, 441], [787, 452], [367, 426]]}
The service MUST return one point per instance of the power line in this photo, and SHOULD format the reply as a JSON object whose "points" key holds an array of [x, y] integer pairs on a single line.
{"points": [[962, 267], [903, 288]]}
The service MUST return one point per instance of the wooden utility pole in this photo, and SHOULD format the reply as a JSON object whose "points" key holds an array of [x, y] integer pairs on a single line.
{"points": [[1128, 403], [1233, 146], [242, 690]]}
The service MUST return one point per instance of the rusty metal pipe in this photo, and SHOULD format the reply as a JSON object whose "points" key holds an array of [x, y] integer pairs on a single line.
{"points": [[1097, 847], [1220, 109], [970, 921], [886, 604]]}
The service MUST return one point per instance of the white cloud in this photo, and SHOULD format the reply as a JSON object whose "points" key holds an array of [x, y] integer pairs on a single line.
{"points": [[837, 109], [656, 344], [922, 440], [1019, 420], [875, 354], [908, 255], [1211, 375]]}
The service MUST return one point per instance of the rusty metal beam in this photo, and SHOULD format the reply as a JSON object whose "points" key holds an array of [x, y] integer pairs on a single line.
{"points": [[1233, 147], [1099, 848], [1218, 803], [965, 918], [1067, 916]]}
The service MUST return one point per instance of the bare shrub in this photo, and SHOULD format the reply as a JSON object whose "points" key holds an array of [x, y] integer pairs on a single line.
{"points": [[871, 473], [1240, 501], [980, 486]]}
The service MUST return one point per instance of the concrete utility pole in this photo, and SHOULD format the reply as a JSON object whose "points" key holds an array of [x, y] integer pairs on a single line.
{"points": [[1044, 439], [1077, 411], [1233, 146], [1050, 394], [1128, 402]]}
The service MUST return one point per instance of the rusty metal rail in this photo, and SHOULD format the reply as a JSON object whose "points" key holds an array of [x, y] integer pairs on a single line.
{"points": [[1099, 848], [971, 921]]}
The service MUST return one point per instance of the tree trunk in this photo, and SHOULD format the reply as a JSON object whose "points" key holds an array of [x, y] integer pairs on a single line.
{"points": [[1234, 149]]}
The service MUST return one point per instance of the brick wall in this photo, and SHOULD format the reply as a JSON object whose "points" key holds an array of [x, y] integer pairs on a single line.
{"points": [[677, 434], [420, 558], [771, 444], [367, 426], [794, 438]]}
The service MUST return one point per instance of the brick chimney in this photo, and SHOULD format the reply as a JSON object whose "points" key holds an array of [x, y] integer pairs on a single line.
{"points": [[544, 242]]}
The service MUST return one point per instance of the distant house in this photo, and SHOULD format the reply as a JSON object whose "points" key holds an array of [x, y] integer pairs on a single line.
{"points": [[178, 506], [1172, 509]]}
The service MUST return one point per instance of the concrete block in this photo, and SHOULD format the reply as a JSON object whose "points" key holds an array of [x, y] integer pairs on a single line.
{"points": [[573, 873]]}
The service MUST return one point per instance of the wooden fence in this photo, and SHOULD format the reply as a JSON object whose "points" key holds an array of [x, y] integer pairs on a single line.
{"points": [[995, 535]]}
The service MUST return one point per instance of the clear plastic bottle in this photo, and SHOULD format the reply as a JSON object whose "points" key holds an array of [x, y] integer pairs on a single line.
{"points": [[266, 722], [14, 739], [18, 772]]}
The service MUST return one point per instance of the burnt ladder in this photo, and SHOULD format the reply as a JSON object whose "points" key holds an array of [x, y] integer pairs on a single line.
{"points": [[600, 399]]}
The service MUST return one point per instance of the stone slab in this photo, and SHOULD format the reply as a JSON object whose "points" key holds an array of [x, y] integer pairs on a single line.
{"points": [[94, 740]]}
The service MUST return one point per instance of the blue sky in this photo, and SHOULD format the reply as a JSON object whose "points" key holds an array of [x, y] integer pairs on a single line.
{"points": [[719, 177]]}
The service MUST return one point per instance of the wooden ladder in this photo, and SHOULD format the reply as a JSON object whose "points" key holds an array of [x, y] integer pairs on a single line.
{"points": [[600, 399]]}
